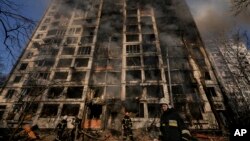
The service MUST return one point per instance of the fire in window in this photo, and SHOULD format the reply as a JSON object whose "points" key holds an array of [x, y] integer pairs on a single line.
{"points": [[94, 111], [135, 107]]}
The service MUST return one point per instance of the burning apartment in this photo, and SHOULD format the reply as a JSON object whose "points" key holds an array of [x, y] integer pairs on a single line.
{"points": [[96, 59]]}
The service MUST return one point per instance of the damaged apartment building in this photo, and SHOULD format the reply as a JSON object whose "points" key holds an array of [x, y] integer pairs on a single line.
{"points": [[96, 59]]}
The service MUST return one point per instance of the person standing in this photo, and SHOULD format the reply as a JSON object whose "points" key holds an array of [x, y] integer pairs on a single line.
{"points": [[61, 128], [127, 127], [172, 125]]}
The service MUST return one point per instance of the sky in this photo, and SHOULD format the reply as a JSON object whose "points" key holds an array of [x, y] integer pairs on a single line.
{"points": [[211, 17], [33, 9]]}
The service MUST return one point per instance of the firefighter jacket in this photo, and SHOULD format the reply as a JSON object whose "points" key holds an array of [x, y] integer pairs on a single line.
{"points": [[171, 126], [127, 123]]}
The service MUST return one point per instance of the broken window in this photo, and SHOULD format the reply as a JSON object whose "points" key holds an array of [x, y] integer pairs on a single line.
{"points": [[132, 28], [70, 109], [155, 91], [71, 40], [196, 111], [134, 107], [23, 66], [81, 62], [132, 21], [74, 92], [84, 50], [88, 31], [17, 79], [32, 91], [62, 63], [78, 76], [75, 30], [113, 77], [30, 110], [55, 92], [146, 20], [97, 91], [47, 20], [149, 48], [68, 51], [43, 75], [177, 89], [87, 39], [133, 49], [113, 92], [153, 74], [207, 76], [131, 12], [43, 28], [29, 55], [210, 91], [94, 111], [49, 110], [61, 75], [45, 63], [154, 110], [2, 109], [10, 93], [39, 36], [133, 75], [132, 38], [99, 77], [133, 91], [147, 29], [151, 61], [148, 38], [133, 61]]}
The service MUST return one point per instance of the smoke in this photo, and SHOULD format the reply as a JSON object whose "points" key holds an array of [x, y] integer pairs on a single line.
{"points": [[214, 17]]}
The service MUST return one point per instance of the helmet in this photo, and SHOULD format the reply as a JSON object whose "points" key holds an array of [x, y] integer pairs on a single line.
{"points": [[164, 101], [65, 117]]}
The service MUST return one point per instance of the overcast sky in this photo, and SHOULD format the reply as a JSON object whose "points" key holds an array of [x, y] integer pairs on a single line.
{"points": [[210, 16]]}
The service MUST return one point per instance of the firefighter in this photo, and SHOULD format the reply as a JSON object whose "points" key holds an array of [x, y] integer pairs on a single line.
{"points": [[172, 125], [127, 127], [61, 128]]}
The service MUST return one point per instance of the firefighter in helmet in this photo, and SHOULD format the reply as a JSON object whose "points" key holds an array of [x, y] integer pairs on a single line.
{"points": [[127, 127], [171, 124]]}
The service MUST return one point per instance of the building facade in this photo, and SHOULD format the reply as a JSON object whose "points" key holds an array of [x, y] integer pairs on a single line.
{"points": [[96, 59]]}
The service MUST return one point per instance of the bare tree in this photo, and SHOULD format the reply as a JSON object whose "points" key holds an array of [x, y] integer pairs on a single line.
{"points": [[240, 6], [14, 26]]}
